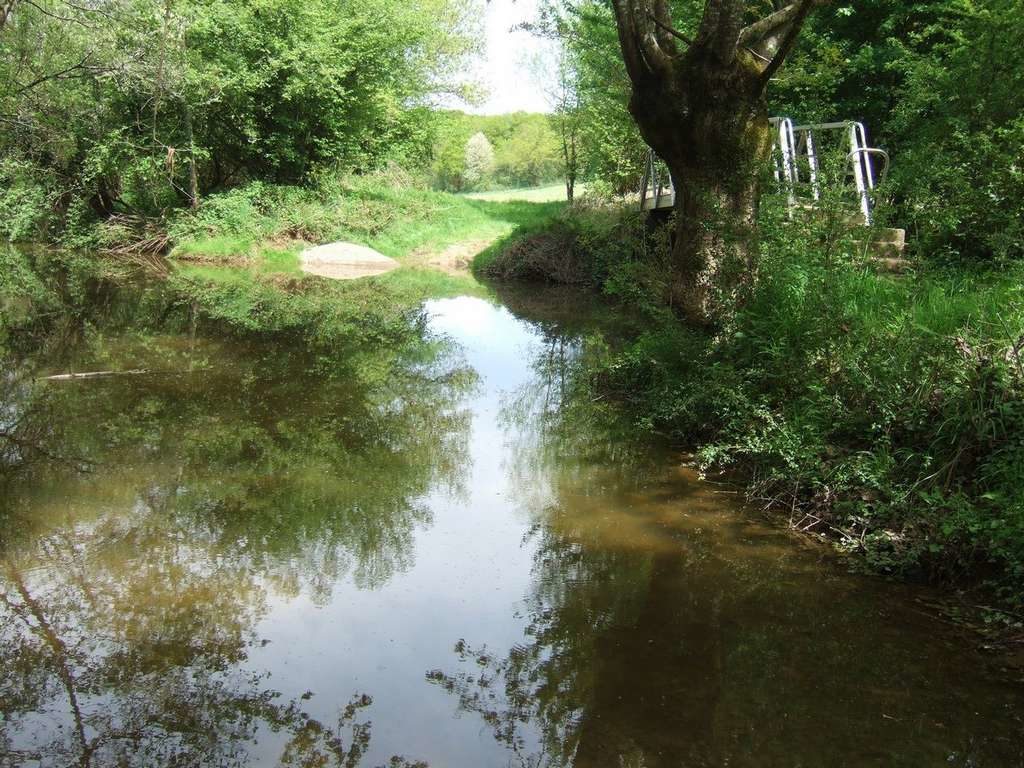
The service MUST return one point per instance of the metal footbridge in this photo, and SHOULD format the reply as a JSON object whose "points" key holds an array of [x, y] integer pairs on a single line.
{"points": [[799, 155]]}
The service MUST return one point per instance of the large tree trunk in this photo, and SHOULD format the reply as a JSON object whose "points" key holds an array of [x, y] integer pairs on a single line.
{"points": [[713, 133], [703, 111]]}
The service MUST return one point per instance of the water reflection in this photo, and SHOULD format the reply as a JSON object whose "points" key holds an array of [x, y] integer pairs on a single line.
{"points": [[664, 629], [148, 520], [251, 554], [100, 670]]}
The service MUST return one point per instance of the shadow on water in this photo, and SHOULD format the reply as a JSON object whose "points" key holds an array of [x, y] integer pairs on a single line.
{"points": [[251, 554], [666, 627]]}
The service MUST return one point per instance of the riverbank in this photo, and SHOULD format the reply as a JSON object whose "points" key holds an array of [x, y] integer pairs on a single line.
{"points": [[258, 230], [881, 413], [884, 413], [237, 257]]}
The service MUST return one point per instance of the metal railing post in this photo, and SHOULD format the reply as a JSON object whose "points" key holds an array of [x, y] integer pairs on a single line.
{"points": [[812, 162], [787, 143], [860, 179]]}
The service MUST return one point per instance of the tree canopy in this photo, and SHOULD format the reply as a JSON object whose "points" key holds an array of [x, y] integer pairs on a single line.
{"points": [[115, 103]]}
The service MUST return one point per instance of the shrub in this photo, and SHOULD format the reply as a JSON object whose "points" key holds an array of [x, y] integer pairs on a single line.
{"points": [[25, 201], [887, 412]]}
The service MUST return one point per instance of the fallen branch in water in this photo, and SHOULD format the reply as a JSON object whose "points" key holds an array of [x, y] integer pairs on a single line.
{"points": [[92, 375]]}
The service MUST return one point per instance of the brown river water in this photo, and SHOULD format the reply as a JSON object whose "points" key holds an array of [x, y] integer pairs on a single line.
{"points": [[430, 556]]}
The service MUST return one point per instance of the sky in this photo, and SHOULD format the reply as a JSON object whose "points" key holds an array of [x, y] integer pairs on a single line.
{"points": [[504, 69]]}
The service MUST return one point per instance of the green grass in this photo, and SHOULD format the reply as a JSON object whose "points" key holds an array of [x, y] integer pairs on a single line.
{"points": [[263, 229], [553, 193], [888, 411], [216, 247]]}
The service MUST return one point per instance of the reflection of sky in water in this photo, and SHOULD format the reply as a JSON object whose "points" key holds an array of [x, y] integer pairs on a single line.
{"points": [[673, 626], [468, 580]]}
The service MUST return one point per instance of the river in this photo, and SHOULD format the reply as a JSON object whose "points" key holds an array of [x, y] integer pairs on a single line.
{"points": [[436, 553]]}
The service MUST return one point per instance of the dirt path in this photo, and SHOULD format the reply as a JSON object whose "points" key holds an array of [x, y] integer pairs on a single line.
{"points": [[453, 260]]}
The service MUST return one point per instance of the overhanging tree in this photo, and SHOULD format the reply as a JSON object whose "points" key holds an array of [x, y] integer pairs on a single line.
{"points": [[699, 101]]}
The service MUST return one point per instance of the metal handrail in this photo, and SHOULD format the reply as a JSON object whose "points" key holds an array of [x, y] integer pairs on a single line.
{"points": [[873, 151], [654, 183], [793, 141], [646, 180]]}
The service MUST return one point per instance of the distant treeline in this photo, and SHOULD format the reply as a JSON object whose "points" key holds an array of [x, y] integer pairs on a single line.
{"points": [[524, 151]]}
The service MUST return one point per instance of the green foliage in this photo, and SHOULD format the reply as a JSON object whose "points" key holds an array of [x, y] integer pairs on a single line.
{"points": [[940, 85], [24, 200], [525, 151], [479, 161], [125, 115], [887, 412], [611, 148], [582, 246]]}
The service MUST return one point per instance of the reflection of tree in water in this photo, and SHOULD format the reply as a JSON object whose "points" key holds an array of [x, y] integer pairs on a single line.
{"points": [[586, 687], [591, 684], [128, 595], [664, 630], [123, 631], [309, 463], [108, 662], [332, 484], [556, 430]]}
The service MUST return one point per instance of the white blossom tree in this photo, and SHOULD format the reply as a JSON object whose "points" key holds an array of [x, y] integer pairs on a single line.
{"points": [[479, 161]]}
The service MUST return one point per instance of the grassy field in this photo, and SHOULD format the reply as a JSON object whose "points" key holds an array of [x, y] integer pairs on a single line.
{"points": [[550, 194]]}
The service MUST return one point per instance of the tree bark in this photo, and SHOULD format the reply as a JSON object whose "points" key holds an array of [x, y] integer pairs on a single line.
{"points": [[703, 111], [193, 177], [710, 126], [569, 158]]}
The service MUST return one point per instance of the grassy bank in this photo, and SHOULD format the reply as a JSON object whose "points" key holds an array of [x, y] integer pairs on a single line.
{"points": [[235, 261], [263, 229], [886, 413]]}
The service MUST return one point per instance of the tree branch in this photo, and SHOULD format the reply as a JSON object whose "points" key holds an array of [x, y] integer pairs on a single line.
{"points": [[669, 30], [82, 65], [58, 17], [720, 27], [653, 55], [627, 38], [662, 18], [767, 34], [785, 45], [6, 9], [757, 31]]}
